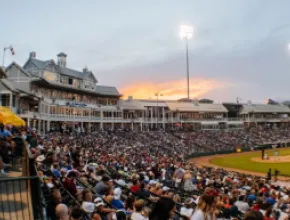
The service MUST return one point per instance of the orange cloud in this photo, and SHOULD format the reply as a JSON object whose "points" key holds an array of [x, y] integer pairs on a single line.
{"points": [[172, 90]]}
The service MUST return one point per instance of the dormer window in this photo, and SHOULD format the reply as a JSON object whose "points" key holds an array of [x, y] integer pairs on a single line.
{"points": [[88, 85], [51, 76]]}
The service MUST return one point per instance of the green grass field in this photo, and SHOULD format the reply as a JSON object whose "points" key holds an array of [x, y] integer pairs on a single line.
{"points": [[244, 162]]}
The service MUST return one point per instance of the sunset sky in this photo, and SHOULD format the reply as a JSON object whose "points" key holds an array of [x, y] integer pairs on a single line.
{"points": [[239, 49]]}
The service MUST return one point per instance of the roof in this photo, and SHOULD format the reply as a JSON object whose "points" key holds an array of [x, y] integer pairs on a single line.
{"points": [[153, 103], [196, 107], [62, 70], [2, 72], [100, 90], [107, 90], [62, 54], [9, 84], [131, 104], [40, 63], [262, 108], [18, 66], [22, 87]]}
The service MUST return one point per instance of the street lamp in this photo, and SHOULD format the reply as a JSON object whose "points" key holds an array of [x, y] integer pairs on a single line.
{"points": [[186, 32], [157, 95]]}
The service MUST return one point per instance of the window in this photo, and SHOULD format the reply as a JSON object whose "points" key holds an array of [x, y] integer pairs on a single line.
{"points": [[13, 100], [49, 76], [88, 85], [76, 83], [64, 79]]}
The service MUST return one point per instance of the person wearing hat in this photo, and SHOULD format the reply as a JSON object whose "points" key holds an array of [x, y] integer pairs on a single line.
{"points": [[116, 202], [101, 186], [187, 209], [88, 206], [101, 212], [284, 212]]}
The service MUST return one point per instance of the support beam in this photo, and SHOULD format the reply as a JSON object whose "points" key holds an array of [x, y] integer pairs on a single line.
{"points": [[48, 126], [163, 117], [39, 126], [101, 125], [43, 127]]}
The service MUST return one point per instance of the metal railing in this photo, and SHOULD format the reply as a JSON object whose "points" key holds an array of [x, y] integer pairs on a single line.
{"points": [[21, 197]]}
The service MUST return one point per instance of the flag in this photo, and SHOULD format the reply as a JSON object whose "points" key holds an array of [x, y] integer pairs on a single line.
{"points": [[12, 50]]}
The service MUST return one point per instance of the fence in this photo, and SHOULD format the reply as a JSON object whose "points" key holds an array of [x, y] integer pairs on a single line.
{"points": [[21, 197]]}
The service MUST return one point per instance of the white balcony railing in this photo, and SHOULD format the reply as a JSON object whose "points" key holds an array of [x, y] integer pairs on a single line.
{"points": [[63, 117]]}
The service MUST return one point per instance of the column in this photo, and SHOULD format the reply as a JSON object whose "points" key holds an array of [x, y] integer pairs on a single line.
{"points": [[101, 125], [11, 101], [132, 126], [39, 126], [151, 118], [141, 126], [163, 117], [112, 126], [28, 122], [43, 126], [34, 124], [90, 127], [82, 126], [47, 126]]}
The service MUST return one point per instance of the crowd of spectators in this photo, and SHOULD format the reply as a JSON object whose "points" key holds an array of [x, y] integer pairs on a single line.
{"points": [[143, 175]]}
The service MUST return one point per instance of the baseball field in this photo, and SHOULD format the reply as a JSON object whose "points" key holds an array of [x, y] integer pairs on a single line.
{"points": [[251, 161]]}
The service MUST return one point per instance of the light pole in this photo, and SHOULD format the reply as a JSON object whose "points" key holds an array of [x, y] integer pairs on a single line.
{"points": [[186, 32], [157, 95], [4, 50]]}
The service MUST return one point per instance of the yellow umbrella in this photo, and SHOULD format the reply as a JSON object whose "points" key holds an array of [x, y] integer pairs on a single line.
{"points": [[7, 117]]}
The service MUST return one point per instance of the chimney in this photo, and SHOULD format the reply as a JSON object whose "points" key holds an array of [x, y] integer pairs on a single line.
{"points": [[85, 70], [32, 54], [61, 59]]}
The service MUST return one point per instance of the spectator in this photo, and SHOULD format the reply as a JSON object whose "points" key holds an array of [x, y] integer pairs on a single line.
{"points": [[204, 209], [76, 214], [69, 183], [55, 199], [101, 186], [88, 206], [61, 212], [139, 213], [163, 209], [142, 192], [187, 209], [253, 215], [242, 204]]}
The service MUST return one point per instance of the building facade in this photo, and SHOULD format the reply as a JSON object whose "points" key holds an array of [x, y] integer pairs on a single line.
{"points": [[50, 96]]}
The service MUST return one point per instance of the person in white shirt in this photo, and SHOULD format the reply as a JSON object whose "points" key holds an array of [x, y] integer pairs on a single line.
{"points": [[139, 213], [187, 209], [284, 212], [205, 209], [242, 205]]}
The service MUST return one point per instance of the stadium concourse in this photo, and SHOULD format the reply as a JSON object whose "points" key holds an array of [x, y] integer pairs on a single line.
{"points": [[145, 175]]}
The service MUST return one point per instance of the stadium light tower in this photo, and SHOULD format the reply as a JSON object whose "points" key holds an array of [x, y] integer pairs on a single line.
{"points": [[186, 32]]}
